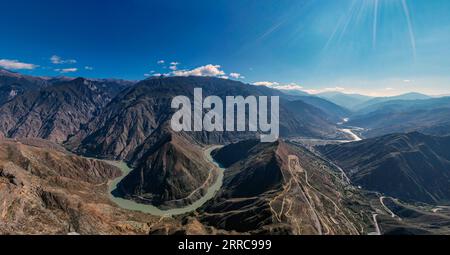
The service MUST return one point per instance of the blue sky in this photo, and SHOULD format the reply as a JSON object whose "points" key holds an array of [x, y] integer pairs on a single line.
{"points": [[377, 47]]}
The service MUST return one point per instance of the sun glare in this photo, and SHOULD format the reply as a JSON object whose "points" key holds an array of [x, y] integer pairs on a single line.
{"points": [[361, 10]]}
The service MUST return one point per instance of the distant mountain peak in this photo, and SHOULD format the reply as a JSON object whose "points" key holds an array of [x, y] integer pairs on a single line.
{"points": [[408, 96]]}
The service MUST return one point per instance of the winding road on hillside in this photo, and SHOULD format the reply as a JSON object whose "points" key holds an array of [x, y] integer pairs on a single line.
{"points": [[356, 138], [146, 208], [377, 227], [387, 208]]}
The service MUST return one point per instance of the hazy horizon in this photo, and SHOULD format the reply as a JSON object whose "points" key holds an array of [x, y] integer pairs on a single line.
{"points": [[281, 87]]}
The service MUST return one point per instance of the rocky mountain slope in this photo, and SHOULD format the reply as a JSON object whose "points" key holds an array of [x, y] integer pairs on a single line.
{"points": [[45, 190], [382, 100], [55, 112], [412, 167], [430, 116], [282, 188], [134, 125], [171, 173], [335, 112], [13, 84], [141, 110]]}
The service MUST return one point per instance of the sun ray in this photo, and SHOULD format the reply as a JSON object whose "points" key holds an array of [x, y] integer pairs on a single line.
{"points": [[342, 21], [375, 24], [410, 27]]}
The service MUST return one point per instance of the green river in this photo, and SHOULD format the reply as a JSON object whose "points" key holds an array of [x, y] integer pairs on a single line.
{"points": [[146, 208]]}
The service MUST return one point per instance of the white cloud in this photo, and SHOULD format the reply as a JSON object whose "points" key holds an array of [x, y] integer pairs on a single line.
{"points": [[174, 66], [236, 76], [161, 62], [277, 85], [290, 86], [266, 83], [207, 70], [295, 86], [67, 70], [335, 89], [57, 60], [16, 65], [153, 74], [389, 89], [318, 91], [408, 81], [90, 68]]}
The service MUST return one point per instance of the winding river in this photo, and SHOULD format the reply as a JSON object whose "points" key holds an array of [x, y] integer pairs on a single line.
{"points": [[354, 136], [146, 208]]}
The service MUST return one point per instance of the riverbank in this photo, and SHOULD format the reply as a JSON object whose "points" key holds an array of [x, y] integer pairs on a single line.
{"points": [[146, 208]]}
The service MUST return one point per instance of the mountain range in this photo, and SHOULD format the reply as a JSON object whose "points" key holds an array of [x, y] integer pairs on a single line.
{"points": [[281, 188], [349, 101], [52, 128], [45, 190], [55, 112], [135, 126], [411, 167], [429, 116]]}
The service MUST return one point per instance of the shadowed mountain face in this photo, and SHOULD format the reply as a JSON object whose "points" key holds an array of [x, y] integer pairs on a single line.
{"points": [[412, 167], [282, 188], [55, 112], [139, 112], [45, 190], [335, 113], [234, 152]]}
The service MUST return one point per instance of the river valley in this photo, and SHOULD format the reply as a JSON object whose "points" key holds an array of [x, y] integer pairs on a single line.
{"points": [[147, 208]]}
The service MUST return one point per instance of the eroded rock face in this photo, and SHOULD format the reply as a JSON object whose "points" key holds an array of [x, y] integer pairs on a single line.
{"points": [[14, 84], [55, 112], [172, 173], [44, 189], [169, 167], [282, 188], [413, 167], [48, 191], [140, 111]]}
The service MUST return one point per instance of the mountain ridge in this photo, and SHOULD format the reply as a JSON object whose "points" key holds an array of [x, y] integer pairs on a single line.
{"points": [[282, 188], [412, 167]]}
